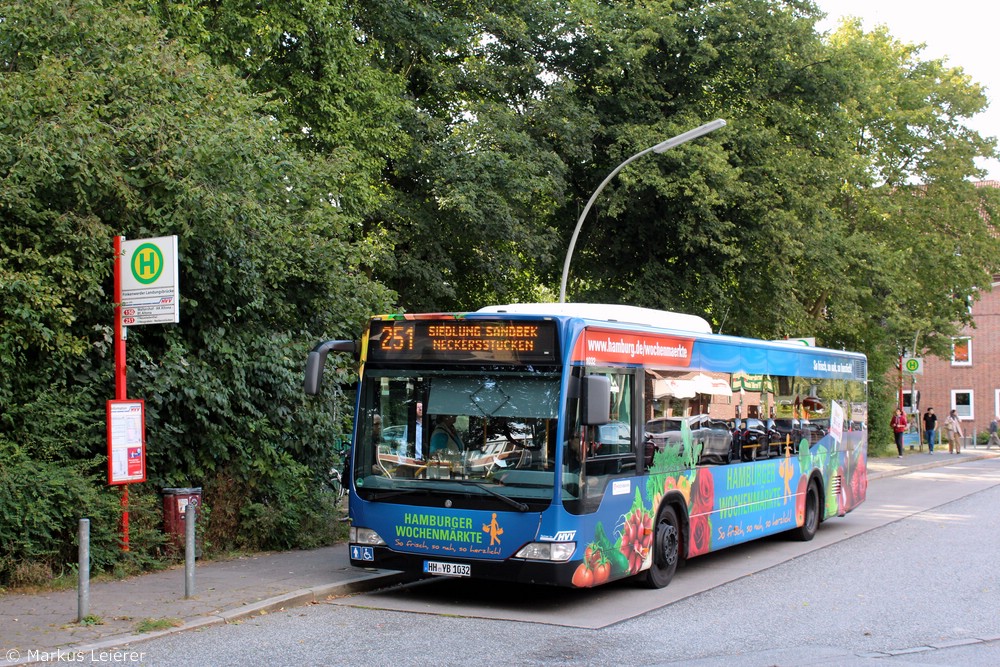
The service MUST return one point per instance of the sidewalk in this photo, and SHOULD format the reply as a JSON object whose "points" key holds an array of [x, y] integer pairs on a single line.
{"points": [[922, 459], [35, 626]]}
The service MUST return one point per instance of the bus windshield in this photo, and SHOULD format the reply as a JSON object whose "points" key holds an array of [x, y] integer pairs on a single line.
{"points": [[484, 437]]}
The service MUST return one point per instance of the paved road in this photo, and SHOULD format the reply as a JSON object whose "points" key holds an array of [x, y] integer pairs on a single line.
{"points": [[920, 589]]}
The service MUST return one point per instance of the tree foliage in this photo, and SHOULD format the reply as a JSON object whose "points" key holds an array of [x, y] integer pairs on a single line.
{"points": [[112, 129], [471, 201], [913, 203]]}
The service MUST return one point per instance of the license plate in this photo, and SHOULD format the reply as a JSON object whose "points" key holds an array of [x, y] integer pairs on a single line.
{"points": [[447, 569]]}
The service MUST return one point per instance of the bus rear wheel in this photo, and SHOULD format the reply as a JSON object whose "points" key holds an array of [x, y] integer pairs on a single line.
{"points": [[808, 529], [666, 549]]}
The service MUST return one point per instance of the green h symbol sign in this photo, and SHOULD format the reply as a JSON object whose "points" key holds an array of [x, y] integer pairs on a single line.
{"points": [[147, 263]]}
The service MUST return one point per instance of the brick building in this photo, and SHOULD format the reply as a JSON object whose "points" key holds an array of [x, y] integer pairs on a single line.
{"points": [[968, 382]]}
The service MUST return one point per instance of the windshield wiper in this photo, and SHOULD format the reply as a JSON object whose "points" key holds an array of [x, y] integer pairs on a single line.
{"points": [[516, 504], [383, 494]]}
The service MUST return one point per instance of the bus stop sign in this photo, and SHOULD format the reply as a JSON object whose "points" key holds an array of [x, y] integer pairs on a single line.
{"points": [[150, 290]]}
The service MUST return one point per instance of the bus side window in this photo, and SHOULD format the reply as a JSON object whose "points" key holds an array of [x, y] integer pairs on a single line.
{"points": [[615, 439]]}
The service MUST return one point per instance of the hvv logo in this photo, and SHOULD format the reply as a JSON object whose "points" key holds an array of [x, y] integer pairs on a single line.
{"points": [[561, 536]]}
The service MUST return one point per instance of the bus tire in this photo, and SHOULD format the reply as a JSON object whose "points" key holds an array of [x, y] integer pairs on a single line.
{"points": [[666, 548], [808, 529]]}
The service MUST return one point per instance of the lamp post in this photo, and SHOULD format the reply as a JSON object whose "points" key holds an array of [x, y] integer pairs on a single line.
{"points": [[658, 148]]}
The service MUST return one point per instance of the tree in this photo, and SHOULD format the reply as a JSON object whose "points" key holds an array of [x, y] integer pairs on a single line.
{"points": [[776, 225], [719, 226], [111, 128], [932, 228], [431, 108], [318, 68], [471, 201]]}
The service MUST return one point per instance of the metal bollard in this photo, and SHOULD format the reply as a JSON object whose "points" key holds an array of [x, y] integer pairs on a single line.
{"points": [[83, 572], [190, 512]]}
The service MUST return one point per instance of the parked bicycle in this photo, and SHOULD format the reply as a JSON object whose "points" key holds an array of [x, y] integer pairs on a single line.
{"points": [[337, 477]]}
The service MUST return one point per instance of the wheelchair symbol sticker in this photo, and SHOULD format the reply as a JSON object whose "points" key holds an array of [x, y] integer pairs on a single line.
{"points": [[362, 553]]}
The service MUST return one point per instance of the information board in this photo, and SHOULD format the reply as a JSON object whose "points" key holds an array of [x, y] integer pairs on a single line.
{"points": [[126, 442]]}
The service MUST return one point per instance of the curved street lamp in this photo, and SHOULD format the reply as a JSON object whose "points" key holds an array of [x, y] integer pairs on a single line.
{"points": [[658, 148]]}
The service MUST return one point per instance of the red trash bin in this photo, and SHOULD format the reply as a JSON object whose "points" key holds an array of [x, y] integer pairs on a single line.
{"points": [[175, 506]]}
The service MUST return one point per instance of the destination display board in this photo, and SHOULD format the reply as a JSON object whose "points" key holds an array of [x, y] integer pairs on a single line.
{"points": [[502, 341]]}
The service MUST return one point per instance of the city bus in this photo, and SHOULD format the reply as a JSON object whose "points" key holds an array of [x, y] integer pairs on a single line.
{"points": [[576, 444]]}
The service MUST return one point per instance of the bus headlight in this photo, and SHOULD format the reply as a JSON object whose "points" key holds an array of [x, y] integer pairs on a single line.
{"points": [[554, 551], [364, 536]]}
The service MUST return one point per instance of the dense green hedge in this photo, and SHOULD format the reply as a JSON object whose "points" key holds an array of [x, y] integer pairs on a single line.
{"points": [[110, 129], [41, 504]]}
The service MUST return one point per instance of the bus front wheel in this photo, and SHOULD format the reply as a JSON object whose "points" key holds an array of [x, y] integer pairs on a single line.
{"points": [[666, 549], [808, 529]]}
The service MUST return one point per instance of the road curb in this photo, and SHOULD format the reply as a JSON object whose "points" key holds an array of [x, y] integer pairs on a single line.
{"points": [[306, 596]]}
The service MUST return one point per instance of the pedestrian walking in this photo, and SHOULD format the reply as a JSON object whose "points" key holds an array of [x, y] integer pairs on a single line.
{"points": [[930, 428], [994, 438], [898, 425], [953, 429]]}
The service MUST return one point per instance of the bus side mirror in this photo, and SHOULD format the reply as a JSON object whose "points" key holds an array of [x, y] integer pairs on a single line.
{"points": [[317, 359], [596, 400]]}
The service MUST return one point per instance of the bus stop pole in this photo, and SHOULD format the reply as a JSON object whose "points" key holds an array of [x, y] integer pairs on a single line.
{"points": [[121, 392]]}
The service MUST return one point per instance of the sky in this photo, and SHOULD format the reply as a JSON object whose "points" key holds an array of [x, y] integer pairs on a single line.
{"points": [[961, 31]]}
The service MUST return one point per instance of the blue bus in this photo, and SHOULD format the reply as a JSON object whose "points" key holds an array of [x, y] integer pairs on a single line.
{"points": [[576, 444]]}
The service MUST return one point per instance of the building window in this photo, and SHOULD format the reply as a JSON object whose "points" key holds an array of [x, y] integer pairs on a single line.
{"points": [[961, 352], [961, 402]]}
